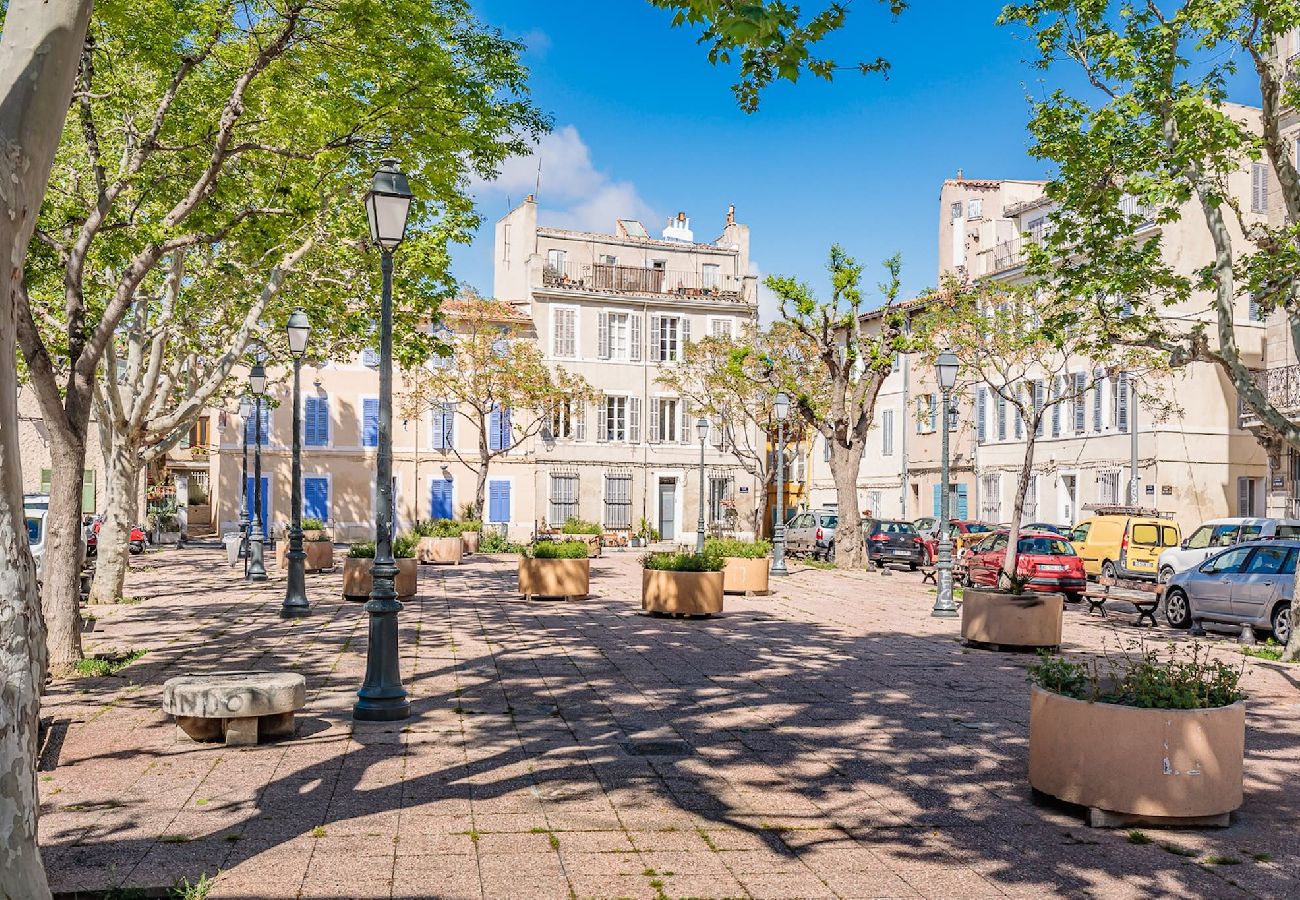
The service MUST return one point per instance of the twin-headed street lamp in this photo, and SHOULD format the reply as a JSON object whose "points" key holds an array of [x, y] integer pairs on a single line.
{"points": [[382, 697], [295, 604], [256, 563], [782, 409], [946, 369], [702, 428]]}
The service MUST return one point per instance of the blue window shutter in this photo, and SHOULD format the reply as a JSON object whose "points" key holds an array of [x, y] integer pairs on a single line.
{"points": [[370, 422], [504, 436], [316, 422], [938, 500], [250, 427], [498, 501], [249, 433], [934, 411], [962, 507], [494, 429], [440, 498], [266, 501], [316, 498]]}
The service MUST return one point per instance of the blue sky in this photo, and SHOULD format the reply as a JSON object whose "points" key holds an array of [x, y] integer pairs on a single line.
{"points": [[644, 126]]}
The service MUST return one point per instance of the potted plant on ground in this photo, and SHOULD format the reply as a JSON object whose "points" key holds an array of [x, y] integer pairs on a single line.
{"points": [[439, 542], [555, 569], [646, 534], [471, 534], [315, 543], [589, 532], [357, 581], [1010, 616], [681, 583], [745, 564], [1160, 741]]}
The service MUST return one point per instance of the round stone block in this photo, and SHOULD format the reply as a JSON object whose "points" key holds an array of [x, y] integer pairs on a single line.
{"points": [[234, 695]]}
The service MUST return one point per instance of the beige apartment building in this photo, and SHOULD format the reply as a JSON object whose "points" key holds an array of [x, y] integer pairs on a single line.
{"points": [[615, 308]]}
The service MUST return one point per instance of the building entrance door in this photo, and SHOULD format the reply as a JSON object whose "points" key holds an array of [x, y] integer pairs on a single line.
{"points": [[668, 509], [1069, 499]]}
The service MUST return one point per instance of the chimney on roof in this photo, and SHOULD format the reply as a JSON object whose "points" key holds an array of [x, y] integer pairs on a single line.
{"points": [[530, 199], [959, 175], [679, 229], [731, 214]]}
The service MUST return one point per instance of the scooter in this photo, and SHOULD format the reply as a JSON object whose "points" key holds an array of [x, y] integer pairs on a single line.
{"points": [[137, 540]]}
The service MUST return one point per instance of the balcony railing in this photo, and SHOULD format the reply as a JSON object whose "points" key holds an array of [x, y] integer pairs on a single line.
{"points": [[1008, 254], [1281, 387], [607, 278]]}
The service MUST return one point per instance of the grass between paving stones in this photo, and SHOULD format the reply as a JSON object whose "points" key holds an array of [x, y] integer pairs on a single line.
{"points": [[1137, 837], [1270, 650], [1176, 850], [110, 662], [318, 831], [1218, 860], [198, 890]]}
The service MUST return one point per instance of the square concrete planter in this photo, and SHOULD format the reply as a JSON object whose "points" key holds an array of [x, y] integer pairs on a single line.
{"points": [[554, 577], [469, 541], [995, 617], [320, 555], [681, 593], [357, 582], [440, 550], [1161, 766], [741, 575]]}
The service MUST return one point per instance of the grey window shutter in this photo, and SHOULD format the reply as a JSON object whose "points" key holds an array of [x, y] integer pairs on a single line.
{"points": [[685, 335], [656, 339], [602, 420], [981, 415], [579, 421], [602, 335], [634, 337], [1056, 407], [685, 434], [634, 420], [1121, 402], [653, 436], [1039, 391]]}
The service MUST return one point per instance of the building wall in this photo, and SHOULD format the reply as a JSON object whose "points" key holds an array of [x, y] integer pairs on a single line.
{"points": [[34, 453]]}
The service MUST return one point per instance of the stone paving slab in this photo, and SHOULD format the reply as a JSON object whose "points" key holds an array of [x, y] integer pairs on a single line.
{"points": [[831, 740]]}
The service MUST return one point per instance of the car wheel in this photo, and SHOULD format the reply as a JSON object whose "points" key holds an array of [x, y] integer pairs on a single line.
{"points": [[1108, 570], [1178, 610], [911, 567], [1282, 623], [1166, 573], [1074, 598]]}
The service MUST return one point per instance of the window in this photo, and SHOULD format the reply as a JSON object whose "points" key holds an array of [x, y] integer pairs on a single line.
{"points": [[369, 422], [1224, 535], [665, 420], [1002, 416], [887, 433], [991, 497], [709, 278], [618, 336], [1248, 490], [500, 435], [200, 433], [981, 415], [1145, 535], [564, 497], [1080, 533], [608, 260], [1036, 229], [1258, 187], [1098, 382], [1121, 402], [443, 426], [618, 501], [561, 425], [721, 328], [1227, 563], [975, 208], [720, 498], [1253, 312], [668, 335], [1107, 487], [614, 419], [251, 429], [316, 421], [564, 329], [440, 498], [370, 358], [1031, 499], [1201, 537], [954, 211], [498, 501], [1168, 536], [1039, 390], [1269, 561], [555, 261], [1080, 402], [316, 497]]}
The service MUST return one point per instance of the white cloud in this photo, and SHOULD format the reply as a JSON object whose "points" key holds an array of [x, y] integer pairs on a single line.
{"points": [[573, 192], [537, 41], [769, 307]]}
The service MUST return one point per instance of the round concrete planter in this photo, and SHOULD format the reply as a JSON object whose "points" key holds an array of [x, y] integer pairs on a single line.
{"points": [[1155, 763], [1011, 620], [320, 554], [440, 550], [357, 582], [741, 575], [469, 541], [681, 593], [554, 577]]}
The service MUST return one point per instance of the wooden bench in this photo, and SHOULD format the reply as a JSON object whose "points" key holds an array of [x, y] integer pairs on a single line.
{"points": [[1144, 596]]}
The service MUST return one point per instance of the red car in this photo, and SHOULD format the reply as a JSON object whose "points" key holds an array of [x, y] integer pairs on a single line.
{"points": [[964, 532], [1046, 561]]}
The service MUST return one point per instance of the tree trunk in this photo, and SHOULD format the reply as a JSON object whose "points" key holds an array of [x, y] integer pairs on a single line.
{"points": [[1291, 653], [762, 506], [1018, 508], [40, 45], [64, 551], [850, 553], [122, 512]]}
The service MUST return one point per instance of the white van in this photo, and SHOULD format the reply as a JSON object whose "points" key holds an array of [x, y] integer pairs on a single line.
{"points": [[1216, 534]]}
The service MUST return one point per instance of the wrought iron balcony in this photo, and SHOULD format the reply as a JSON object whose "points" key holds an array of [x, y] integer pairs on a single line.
{"points": [[607, 278], [1281, 387]]}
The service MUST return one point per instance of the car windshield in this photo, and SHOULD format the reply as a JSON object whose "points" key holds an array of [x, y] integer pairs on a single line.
{"points": [[978, 528], [33, 530], [897, 528], [830, 521], [1045, 546]]}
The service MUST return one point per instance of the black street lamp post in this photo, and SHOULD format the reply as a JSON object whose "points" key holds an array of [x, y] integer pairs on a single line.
{"points": [[782, 409], [382, 697], [702, 428], [944, 608], [256, 563], [245, 410], [295, 604]]}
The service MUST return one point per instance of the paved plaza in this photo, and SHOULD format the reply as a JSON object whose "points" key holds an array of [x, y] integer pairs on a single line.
{"points": [[831, 740]]}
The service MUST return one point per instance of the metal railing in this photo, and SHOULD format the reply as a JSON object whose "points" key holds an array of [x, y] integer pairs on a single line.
{"points": [[609, 278], [1281, 388], [1008, 254]]}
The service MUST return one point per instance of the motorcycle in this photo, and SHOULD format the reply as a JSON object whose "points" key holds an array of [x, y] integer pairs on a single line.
{"points": [[137, 540]]}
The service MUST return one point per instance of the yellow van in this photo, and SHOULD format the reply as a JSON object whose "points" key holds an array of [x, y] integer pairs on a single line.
{"points": [[1122, 542]]}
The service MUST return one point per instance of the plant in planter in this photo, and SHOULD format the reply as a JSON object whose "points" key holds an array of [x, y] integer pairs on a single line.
{"points": [[681, 583], [555, 569], [316, 544], [1145, 739], [1010, 615], [357, 581], [591, 532], [745, 564], [438, 541], [646, 532], [495, 541], [312, 528], [471, 534]]}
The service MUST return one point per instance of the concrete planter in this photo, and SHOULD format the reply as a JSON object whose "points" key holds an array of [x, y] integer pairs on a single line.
{"points": [[1177, 764], [741, 575], [440, 550], [469, 541], [1011, 620], [554, 577], [681, 593], [357, 581], [320, 555]]}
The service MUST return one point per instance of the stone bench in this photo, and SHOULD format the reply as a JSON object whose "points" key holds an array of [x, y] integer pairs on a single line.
{"points": [[237, 707]]}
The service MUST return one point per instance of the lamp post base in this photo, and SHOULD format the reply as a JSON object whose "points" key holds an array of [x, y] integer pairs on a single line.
{"points": [[295, 611], [381, 710]]}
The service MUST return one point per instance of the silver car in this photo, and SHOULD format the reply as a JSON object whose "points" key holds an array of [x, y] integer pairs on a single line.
{"points": [[811, 532], [1249, 584]]}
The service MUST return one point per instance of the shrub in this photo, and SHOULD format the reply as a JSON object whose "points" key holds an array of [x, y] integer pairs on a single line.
{"points": [[558, 550], [404, 545], [1187, 679], [496, 542], [681, 561], [438, 528], [574, 525], [724, 547], [471, 525], [362, 550], [311, 523]]}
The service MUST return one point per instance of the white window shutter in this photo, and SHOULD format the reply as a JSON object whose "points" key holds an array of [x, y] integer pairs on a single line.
{"points": [[634, 337], [579, 413], [653, 436], [602, 335], [685, 335], [634, 420], [656, 347], [685, 434]]}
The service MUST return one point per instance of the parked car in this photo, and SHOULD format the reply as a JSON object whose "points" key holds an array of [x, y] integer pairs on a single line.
{"points": [[1045, 560], [1062, 530], [811, 533], [1247, 584], [1216, 534], [893, 541], [961, 531], [36, 536], [1123, 542]]}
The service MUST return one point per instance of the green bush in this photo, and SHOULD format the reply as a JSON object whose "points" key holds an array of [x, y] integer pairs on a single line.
{"points": [[724, 547], [438, 528], [496, 542], [362, 550], [404, 545], [471, 525], [1187, 679], [558, 550], [311, 523], [681, 561], [574, 525]]}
